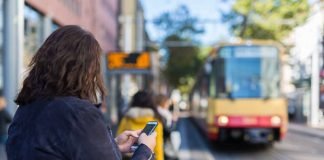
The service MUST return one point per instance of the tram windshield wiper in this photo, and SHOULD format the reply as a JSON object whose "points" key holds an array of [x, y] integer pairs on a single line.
{"points": [[266, 98]]}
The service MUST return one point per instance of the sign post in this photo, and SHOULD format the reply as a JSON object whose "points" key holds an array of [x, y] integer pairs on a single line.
{"points": [[128, 63]]}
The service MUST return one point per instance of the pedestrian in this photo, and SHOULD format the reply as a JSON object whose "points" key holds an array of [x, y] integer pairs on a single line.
{"points": [[5, 119], [56, 118], [141, 111], [169, 121]]}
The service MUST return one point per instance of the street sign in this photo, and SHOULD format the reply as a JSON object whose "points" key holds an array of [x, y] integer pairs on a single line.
{"points": [[133, 61]]}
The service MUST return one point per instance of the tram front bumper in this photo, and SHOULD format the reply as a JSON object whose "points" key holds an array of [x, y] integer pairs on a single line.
{"points": [[251, 135]]}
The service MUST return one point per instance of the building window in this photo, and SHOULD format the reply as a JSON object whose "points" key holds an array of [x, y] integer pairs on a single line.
{"points": [[54, 26], [33, 28]]}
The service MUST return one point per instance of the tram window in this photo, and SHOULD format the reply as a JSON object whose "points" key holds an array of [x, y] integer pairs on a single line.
{"points": [[246, 72], [217, 87], [221, 89], [220, 79]]}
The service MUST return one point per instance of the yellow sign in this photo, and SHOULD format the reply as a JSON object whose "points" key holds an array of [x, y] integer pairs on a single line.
{"points": [[121, 60]]}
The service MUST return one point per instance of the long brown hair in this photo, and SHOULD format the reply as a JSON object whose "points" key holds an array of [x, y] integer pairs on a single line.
{"points": [[67, 64]]}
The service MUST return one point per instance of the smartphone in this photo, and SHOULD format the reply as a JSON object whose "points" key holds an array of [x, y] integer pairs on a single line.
{"points": [[148, 130], [150, 127]]}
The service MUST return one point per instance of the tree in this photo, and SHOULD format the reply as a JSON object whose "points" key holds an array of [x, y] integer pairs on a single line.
{"points": [[266, 19], [182, 62], [178, 22]]}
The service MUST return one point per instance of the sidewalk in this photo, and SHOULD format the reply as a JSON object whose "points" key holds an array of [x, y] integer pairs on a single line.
{"points": [[306, 130]]}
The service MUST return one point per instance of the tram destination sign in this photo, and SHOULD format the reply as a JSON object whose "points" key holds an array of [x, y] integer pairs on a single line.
{"points": [[128, 61]]}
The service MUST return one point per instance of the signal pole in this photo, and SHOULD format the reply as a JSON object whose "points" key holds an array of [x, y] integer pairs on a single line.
{"points": [[13, 50], [315, 81], [314, 118]]}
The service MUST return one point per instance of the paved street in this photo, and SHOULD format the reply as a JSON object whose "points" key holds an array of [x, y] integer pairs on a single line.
{"points": [[194, 146], [296, 146]]}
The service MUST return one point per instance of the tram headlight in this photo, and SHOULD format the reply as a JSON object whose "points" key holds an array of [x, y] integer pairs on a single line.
{"points": [[222, 120], [275, 120]]}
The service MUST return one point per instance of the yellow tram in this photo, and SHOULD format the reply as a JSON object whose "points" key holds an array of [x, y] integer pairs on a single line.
{"points": [[237, 95]]}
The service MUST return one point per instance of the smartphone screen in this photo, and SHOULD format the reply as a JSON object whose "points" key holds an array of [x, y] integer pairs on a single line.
{"points": [[150, 127], [148, 130]]}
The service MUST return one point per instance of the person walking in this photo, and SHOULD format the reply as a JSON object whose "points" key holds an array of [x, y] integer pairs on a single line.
{"points": [[169, 120], [141, 111], [56, 118]]}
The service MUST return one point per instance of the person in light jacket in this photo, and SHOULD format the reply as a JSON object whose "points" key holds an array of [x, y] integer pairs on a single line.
{"points": [[141, 111]]}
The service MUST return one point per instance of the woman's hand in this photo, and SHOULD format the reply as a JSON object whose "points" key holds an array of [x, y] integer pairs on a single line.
{"points": [[149, 141], [126, 139]]}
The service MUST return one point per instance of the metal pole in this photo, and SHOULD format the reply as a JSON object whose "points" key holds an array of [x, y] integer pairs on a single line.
{"points": [[128, 46], [20, 43], [140, 31], [127, 33], [141, 79], [10, 53], [314, 119]]}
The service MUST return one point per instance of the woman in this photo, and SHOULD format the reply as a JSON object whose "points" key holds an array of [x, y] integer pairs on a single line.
{"points": [[141, 111], [163, 104], [57, 118]]}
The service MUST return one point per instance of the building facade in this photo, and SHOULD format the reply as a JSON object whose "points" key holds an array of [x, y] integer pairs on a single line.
{"points": [[307, 62], [25, 24], [97, 16]]}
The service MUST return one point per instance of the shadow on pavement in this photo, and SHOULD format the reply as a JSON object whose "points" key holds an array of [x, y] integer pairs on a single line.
{"points": [[224, 147], [239, 147]]}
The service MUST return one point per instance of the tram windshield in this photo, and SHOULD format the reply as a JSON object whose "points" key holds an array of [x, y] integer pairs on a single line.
{"points": [[246, 72]]}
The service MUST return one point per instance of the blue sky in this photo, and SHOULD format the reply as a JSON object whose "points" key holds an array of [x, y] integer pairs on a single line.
{"points": [[202, 9]]}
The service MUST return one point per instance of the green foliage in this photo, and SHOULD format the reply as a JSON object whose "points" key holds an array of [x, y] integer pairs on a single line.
{"points": [[179, 23], [204, 51], [182, 62], [266, 19]]}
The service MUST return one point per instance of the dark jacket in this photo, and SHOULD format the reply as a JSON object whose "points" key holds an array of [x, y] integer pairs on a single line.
{"points": [[5, 119], [65, 128]]}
